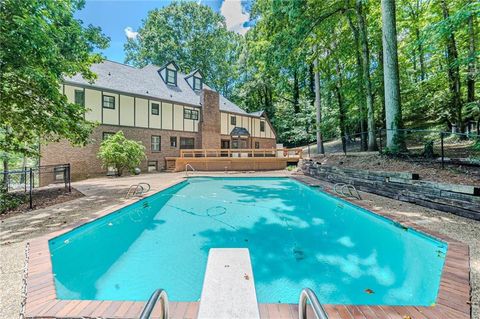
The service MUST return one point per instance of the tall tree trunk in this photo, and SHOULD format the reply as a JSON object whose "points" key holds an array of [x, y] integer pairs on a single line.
{"points": [[362, 27], [341, 107], [472, 58], [393, 111], [415, 14], [361, 92], [318, 107], [420, 53], [381, 90], [453, 73], [311, 83], [296, 92]]}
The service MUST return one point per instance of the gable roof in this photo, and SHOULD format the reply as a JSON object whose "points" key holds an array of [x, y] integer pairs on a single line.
{"points": [[147, 82], [239, 131]]}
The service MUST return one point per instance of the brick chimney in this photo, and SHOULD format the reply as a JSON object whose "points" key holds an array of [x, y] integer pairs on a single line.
{"points": [[210, 120]]}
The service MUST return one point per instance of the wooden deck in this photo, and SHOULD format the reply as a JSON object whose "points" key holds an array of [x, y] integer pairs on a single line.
{"points": [[453, 300], [234, 159]]}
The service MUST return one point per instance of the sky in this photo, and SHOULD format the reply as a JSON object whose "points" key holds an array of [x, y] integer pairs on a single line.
{"points": [[121, 18]]}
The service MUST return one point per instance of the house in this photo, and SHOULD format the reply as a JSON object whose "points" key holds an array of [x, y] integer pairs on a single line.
{"points": [[161, 107]]}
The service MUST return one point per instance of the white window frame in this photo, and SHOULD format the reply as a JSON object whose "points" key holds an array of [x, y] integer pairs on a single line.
{"points": [[156, 146]]}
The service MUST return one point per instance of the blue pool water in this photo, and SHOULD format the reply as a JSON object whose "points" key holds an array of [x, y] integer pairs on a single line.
{"points": [[297, 236]]}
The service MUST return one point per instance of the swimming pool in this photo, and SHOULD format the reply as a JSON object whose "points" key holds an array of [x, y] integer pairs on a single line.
{"points": [[297, 236]]}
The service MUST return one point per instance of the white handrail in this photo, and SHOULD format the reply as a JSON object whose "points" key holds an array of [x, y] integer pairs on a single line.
{"points": [[186, 169], [135, 188]]}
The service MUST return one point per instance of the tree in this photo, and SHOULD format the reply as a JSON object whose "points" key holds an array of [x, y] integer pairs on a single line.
{"points": [[121, 153], [192, 35], [453, 72], [362, 28], [41, 43], [393, 112]]}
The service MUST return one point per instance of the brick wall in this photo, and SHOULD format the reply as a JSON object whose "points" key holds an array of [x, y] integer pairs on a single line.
{"points": [[209, 126], [84, 160], [264, 142]]}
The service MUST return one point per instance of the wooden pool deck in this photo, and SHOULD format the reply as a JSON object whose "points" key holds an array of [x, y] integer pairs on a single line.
{"points": [[453, 300], [234, 159]]}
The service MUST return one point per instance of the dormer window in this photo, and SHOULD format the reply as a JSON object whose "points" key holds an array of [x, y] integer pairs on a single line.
{"points": [[197, 83], [171, 76]]}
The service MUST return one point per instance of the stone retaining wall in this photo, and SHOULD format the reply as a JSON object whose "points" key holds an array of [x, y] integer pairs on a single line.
{"points": [[462, 200]]}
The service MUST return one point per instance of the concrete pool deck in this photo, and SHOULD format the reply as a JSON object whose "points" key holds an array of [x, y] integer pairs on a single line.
{"points": [[103, 194]]}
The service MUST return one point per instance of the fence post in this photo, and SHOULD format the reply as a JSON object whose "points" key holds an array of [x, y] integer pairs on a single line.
{"points": [[69, 179], [442, 150], [31, 180], [25, 177], [381, 142], [344, 145]]}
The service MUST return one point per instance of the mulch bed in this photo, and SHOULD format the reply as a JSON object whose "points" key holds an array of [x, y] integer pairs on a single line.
{"points": [[43, 198], [452, 174]]}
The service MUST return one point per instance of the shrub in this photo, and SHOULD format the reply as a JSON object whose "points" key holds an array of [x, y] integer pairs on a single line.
{"points": [[121, 153], [10, 201], [428, 151]]}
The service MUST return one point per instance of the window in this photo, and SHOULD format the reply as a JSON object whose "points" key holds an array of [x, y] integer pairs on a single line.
{"points": [[156, 143], [257, 144], [152, 166], [173, 141], [187, 143], [107, 135], [197, 83], [155, 109], [80, 97], [262, 126], [225, 144], [59, 174], [108, 102], [233, 120], [194, 115], [190, 114], [171, 76]]}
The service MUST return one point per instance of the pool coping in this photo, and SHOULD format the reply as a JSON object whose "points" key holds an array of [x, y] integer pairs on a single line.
{"points": [[453, 299]]}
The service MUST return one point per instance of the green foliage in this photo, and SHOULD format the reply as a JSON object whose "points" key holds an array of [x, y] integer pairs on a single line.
{"points": [[121, 153], [9, 201], [288, 35], [192, 35], [42, 42], [428, 151]]}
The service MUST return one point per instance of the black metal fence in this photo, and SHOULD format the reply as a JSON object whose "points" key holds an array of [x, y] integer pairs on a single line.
{"points": [[419, 145], [27, 180]]}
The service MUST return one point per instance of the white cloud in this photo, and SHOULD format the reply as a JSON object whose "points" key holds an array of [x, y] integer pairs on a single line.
{"points": [[130, 33], [235, 16]]}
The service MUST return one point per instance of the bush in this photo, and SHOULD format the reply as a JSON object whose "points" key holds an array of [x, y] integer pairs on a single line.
{"points": [[9, 201], [428, 151], [121, 153]]}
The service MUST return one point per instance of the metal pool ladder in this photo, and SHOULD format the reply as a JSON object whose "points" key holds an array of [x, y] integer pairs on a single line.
{"points": [[157, 295], [186, 169], [346, 187], [137, 190], [307, 294]]}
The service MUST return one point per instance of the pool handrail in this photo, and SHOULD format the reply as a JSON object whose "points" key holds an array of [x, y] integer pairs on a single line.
{"points": [[307, 294], [186, 169], [158, 294]]}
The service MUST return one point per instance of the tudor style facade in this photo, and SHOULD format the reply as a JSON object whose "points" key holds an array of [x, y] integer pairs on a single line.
{"points": [[163, 109]]}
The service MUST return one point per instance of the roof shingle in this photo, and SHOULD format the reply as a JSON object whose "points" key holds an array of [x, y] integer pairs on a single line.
{"points": [[147, 81]]}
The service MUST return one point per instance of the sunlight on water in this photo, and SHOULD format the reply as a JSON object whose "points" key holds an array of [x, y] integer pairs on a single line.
{"points": [[297, 236]]}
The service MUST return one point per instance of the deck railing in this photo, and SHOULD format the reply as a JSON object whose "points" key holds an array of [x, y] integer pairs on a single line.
{"points": [[295, 153]]}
